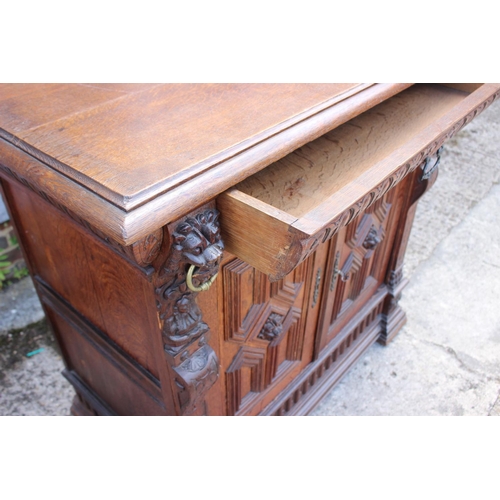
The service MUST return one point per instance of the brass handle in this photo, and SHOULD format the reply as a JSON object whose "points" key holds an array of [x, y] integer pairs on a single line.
{"points": [[343, 277], [204, 286], [337, 272]]}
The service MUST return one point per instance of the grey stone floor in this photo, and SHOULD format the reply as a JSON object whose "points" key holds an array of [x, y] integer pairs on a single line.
{"points": [[445, 361]]}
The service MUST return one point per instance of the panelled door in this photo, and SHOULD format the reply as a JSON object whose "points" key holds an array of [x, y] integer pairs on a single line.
{"points": [[356, 265], [268, 333]]}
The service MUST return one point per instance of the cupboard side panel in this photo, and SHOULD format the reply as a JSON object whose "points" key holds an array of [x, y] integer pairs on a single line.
{"points": [[95, 280]]}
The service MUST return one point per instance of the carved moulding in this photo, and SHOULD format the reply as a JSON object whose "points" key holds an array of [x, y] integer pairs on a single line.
{"points": [[309, 245], [301, 246], [142, 253], [195, 241]]}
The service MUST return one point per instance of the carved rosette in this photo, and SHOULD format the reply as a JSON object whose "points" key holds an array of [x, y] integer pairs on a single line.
{"points": [[147, 249], [195, 242], [142, 252], [272, 328]]}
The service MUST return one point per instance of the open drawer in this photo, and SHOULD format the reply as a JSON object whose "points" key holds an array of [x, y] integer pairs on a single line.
{"points": [[274, 219]]}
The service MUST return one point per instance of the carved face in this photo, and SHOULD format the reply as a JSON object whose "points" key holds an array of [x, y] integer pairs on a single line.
{"points": [[372, 239], [199, 241], [196, 249]]}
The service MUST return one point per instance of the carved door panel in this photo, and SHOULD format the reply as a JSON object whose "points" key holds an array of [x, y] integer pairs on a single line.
{"points": [[356, 267], [265, 325]]}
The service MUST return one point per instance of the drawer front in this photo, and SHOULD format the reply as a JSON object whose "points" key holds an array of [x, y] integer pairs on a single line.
{"points": [[279, 216]]}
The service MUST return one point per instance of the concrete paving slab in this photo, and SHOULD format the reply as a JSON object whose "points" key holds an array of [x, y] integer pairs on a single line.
{"points": [[36, 387], [30, 376], [481, 137], [461, 309], [19, 306]]}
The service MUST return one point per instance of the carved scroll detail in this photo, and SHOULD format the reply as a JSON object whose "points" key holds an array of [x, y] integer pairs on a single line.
{"points": [[195, 241], [395, 277], [430, 164], [147, 249], [142, 252]]}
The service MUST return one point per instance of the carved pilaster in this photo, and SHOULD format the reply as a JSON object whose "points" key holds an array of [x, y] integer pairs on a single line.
{"points": [[195, 241], [393, 316]]}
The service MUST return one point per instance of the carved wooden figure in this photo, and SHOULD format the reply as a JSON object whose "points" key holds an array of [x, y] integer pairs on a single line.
{"points": [[195, 243], [220, 249]]}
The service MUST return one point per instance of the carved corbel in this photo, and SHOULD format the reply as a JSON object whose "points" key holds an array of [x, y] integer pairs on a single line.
{"points": [[430, 164], [142, 253], [195, 241], [428, 176]]}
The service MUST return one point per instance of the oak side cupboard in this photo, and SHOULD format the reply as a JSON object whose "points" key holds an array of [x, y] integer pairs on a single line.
{"points": [[220, 249]]}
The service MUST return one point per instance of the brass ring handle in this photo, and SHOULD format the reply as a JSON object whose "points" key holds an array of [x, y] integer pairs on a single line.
{"points": [[204, 286]]}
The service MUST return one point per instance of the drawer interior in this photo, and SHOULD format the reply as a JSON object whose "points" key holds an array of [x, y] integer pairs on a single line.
{"points": [[302, 180], [270, 218]]}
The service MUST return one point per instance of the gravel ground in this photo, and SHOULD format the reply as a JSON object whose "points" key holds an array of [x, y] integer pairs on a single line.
{"points": [[30, 379]]}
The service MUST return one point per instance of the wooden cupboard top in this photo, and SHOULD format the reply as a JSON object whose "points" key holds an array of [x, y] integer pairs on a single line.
{"points": [[129, 146], [131, 158]]}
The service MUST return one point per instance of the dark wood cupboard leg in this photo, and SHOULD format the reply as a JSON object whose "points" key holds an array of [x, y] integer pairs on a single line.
{"points": [[393, 316], [80, 408]]}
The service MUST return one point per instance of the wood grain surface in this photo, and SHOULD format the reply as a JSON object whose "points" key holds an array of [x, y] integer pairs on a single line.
{"points": [[25, 107], [328, 220], [307, 177], [99, 159], [308, 195], [143, 156], [122, 144]]}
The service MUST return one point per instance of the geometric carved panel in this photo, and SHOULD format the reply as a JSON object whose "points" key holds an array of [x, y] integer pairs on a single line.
{"points": [[247, 294], [263, 330], [251, 358], [238, 291], [359, 254]]}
